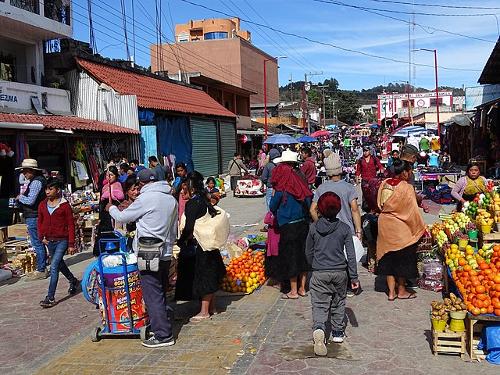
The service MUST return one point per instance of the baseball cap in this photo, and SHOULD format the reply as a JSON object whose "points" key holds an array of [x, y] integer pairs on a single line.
{"points": [[146, 175]]}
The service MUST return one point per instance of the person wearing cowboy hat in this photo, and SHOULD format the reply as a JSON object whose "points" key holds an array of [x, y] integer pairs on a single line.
{"points": [[29, 201]]}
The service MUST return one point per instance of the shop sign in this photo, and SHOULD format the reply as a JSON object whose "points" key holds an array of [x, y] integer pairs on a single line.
{"points": [[4, 97]]}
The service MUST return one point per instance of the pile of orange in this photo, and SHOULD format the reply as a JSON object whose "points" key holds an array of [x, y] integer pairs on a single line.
{"points": [[480, 288], [244, 273]]}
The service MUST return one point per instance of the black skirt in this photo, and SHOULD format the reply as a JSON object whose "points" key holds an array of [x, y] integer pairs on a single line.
{"points": [[400, 263], [185, 273], [209, 270], [291, 259]]}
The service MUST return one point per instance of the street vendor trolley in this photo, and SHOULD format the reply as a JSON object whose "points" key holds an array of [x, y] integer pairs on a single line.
{"points": [[119, 293]]}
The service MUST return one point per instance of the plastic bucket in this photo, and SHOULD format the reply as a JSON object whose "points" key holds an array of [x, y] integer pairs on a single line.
{"points": [[472, 234], [486, 229], [438, 325]]}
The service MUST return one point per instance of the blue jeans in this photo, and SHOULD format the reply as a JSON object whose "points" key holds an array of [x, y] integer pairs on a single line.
{"points": [[57, 249], [269, 195], [41, 254]]}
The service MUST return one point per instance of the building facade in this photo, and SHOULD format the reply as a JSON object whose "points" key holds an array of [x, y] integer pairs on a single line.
{"points": [[210, 29], [233, 59]]}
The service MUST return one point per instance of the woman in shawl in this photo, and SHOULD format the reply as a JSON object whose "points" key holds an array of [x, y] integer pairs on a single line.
{"points": [[290, 205], [400, 226], [467, 187]]}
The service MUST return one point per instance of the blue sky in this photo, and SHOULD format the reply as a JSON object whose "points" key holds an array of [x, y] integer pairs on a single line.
{"points": [[322, 22]]}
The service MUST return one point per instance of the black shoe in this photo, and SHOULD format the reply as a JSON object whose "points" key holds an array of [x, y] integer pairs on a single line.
{"points": [[73, 287], [153, 342], [48, 303], [338, 336]]}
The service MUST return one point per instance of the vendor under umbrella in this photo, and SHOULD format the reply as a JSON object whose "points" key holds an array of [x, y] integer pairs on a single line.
{"points": [[468, 186]]}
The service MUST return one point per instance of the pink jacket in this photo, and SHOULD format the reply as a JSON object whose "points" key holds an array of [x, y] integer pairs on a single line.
{"points": [[273, 236], [116, 191]]}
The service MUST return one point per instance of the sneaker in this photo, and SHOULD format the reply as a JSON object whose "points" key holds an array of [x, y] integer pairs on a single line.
{"points": [[319, 342], [350, 293], [48, 303], [37, 275], [73, 287], [153, 342], [338, 336]]}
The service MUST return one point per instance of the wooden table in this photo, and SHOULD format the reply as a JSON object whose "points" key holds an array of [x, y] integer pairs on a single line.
{"points": [[475, 325]]}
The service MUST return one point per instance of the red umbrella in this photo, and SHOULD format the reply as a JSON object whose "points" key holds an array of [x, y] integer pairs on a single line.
{"points": [[321, 133]]}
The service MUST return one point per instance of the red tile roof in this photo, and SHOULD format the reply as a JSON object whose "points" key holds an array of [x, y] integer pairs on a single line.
{"points": [[155, 93], [65, 123]]}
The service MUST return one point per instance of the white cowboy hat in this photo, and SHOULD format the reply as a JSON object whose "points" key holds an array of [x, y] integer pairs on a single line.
{"points": [[29, 164], [288, 157]]}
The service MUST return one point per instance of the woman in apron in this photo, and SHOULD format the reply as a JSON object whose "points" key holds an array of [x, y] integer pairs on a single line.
{"points": [[468, 186]]}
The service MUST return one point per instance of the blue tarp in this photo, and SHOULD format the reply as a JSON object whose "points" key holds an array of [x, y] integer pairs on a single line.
{"points": [[174, 137]]}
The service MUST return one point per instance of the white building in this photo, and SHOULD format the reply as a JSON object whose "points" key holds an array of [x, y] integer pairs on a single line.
{"points": [[25, 26]]}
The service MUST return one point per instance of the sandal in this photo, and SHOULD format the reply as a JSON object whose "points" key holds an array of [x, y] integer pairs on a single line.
{"points": [[409, 296], [392, 299], [303, 294], [198, 318], [286, 296]]}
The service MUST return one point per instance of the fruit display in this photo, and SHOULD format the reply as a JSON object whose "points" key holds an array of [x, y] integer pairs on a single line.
{"points": [[438, 311], [245, 273], [470, 209], [460, 219], [479, 282], [438, 234]]}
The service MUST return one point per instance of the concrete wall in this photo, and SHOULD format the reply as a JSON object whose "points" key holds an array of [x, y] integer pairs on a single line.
{"points": [[232, 61]]}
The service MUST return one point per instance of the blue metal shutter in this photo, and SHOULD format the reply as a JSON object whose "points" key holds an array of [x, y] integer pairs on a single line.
{"points": [[149, 144], [228, 143], [205, 146]]}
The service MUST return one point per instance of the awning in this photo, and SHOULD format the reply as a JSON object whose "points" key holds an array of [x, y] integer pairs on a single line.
{"points": [[252, 132], [54, 122], [461, 120], [155, 92]]}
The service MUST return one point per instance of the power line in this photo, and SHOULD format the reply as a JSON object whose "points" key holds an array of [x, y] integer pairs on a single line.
{"points": [[407, 12], [124, 20], [423, 27], [326, 43], [436, 5]]}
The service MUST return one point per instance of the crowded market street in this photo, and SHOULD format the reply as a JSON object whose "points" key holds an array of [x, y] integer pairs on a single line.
{"points": [[255, 334]]}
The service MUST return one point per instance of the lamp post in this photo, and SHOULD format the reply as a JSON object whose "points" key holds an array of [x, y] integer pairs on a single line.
{"points": [[437, 91], [265, 90]]}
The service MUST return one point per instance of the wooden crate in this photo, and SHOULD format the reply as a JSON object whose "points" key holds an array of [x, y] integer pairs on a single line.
{"points": [[448, 342], [489, 238], [474, 330]]}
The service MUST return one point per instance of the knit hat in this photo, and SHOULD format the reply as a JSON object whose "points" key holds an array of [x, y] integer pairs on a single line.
{"points": [[329, 205], [333, 165]]}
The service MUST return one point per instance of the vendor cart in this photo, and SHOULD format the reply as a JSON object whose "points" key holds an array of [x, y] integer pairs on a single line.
{"points": [[249, 186]]}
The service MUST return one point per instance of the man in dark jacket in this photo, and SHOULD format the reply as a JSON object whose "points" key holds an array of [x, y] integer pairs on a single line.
{"points": [[29, 201], [331, 271]]}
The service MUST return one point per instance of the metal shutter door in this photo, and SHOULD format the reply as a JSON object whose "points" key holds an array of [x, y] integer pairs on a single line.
{"points": [[205, 147], [228, 143]]}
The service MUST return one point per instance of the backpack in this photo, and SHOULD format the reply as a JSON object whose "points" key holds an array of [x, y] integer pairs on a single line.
{"points": [[211, 233]]}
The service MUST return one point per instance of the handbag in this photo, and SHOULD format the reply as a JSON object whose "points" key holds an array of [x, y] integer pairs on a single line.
{"points": [[211, 233], [149, 252]]}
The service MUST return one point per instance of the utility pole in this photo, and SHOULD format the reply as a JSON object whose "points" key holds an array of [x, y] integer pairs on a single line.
{"points": [[291, 88], [305, 120], [306, 83], [323, 110]]}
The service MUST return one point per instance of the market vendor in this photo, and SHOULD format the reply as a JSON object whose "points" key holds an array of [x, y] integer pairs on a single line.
{"points": [[467, 187]]}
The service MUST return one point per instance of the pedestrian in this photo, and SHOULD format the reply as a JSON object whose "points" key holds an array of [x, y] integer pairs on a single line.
{"points": [[212, 191], [367, 168], [209, 269], [290, 205], [400, 227], [267, 174], [180, 176], [394, 156], [56, 229], [157, 168], [124, 167], [262, 159], [155, 214], [326, 241], [111, 192], [236, 168], [131, 189], [29, 201], [349, 213], [134, 164], [308, 167]]}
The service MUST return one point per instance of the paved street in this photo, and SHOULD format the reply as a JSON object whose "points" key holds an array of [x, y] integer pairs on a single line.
{"points": [[255, 334]]}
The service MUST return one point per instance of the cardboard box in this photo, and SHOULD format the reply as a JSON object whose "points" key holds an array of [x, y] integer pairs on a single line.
{"points": [[17, 231]]}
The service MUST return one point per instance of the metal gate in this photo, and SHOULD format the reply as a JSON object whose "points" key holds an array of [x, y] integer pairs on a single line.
{"points": [[205, 146], [227, 133]]}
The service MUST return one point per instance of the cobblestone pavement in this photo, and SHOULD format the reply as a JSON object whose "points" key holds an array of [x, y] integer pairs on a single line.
{"points": [[255, 334]]}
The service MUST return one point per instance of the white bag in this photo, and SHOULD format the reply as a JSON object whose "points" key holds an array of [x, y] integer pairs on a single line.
{"points": [[210, 232], [358, 248]]}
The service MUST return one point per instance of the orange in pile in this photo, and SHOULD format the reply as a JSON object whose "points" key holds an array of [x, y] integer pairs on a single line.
{"points": [[244, 273], [481, 288]]}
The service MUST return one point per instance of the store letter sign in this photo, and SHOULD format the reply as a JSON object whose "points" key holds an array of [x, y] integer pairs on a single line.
{"points": [[7, 98]]}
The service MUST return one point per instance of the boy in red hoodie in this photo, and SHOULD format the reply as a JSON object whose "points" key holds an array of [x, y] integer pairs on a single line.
{"points": [[56, 229]]}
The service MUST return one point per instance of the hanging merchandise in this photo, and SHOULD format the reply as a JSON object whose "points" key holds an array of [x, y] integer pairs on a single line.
{"points": [[80, 151], [6, 150]]}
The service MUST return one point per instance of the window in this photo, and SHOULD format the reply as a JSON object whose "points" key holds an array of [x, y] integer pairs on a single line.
{"points": [[183, 37], [405, 103], [433, 101], [8, 67], [58, 10], [29, 5], [216, 35]]}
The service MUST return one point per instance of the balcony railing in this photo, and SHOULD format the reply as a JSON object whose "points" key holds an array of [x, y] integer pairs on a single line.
{"points": [[58, 10], [32, 6]]}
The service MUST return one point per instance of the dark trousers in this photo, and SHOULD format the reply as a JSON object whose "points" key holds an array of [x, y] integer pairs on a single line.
{"points": [[153, 291], [233, 182]]}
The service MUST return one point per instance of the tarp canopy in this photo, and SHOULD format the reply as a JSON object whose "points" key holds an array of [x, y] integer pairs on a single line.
{"points": [[307, 139], [280, 139], [407, 130]]}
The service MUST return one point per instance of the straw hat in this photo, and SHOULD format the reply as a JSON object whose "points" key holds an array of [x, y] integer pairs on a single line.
{"points": [[29, 164], [288, 157]]}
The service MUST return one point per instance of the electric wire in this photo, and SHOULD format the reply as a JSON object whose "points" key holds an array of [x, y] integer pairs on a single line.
{"points": [[473, 7], [124, 20], [345, 49]]}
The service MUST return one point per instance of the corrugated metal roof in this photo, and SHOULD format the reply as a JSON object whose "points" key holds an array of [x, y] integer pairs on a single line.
{"points": [[155, 93], [65, 123]]}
